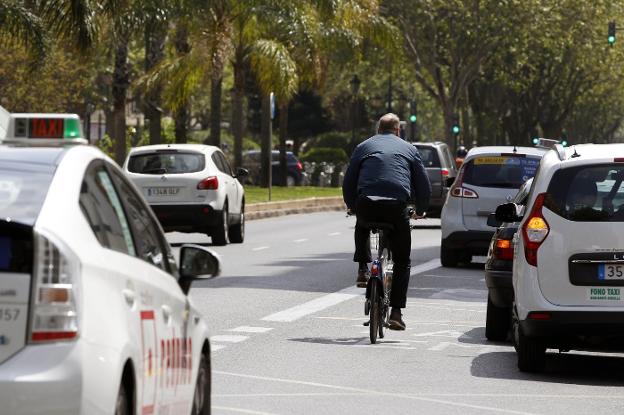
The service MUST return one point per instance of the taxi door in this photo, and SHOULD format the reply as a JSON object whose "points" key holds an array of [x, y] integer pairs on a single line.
{"points": [[165, 368]]}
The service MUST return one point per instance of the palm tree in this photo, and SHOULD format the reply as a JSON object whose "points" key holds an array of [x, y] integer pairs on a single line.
{"points": [[19, 25]]}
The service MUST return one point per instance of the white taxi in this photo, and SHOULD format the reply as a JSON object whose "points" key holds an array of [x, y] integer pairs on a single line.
{"points": [[94, 313], [568, 268]]}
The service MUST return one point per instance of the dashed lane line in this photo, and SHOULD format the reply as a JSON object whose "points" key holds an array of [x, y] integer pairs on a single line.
{"points": [[260, 248], [228, 338], [215, 347], [298, 241], [375, 392], [240, 410], [250, 329], [333, 234]]}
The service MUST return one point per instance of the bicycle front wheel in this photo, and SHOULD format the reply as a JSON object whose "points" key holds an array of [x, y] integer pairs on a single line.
{"points": [[375, 311]]}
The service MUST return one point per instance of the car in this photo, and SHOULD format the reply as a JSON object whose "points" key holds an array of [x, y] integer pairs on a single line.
{"points": [[191, 188], [489, 176], [295, 174], [438, 162], [568, 269], [498, 266], [95, 317]]}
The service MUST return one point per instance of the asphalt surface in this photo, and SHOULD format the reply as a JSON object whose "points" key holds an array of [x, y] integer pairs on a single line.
{"points": [[288, 338]]}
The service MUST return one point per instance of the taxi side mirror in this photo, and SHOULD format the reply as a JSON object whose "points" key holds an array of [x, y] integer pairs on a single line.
{"points": [[492, 221], [508, 212], [197, 262]]}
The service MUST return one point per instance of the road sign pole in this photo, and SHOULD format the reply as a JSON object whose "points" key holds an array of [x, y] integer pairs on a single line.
{"points": [[271, 117]]}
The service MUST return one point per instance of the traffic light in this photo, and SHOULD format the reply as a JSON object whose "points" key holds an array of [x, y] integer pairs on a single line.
{"points": [[535, 141], [413, 116], [455, 127], [611, 38], [564, 143]]}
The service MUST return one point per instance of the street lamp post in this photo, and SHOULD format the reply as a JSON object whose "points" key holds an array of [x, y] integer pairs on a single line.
{"points": [[355, 87]]}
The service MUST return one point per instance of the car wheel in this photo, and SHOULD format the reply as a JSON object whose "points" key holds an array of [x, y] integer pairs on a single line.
{"points": [[497, 322], [201, 397], [122, 403], [448, 257], [290, 181], [220, 232], [531, 351], [237, 232]]}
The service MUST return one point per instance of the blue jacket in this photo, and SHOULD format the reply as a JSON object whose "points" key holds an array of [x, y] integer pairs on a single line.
{"points": [[388, 167]]}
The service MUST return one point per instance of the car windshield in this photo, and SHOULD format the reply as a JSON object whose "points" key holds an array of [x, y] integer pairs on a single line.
{"points": [[588, 193], [22, 192], [166, 162], [500, 171], [429, 156]]}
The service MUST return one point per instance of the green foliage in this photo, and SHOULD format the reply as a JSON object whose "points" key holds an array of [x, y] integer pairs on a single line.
{"points": [[325, 154], [332, 139]]}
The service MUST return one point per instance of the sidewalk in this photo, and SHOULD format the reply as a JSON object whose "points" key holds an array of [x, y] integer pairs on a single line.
{"points": [[290, 207]]}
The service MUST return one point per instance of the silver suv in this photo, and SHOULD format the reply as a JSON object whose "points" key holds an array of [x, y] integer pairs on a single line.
{"points": [[488, 177], [441, 169]]}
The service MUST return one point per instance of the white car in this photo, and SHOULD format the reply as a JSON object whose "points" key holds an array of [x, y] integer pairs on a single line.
{"points": [[488, 177], [568, 268], [94, 313], [191, 188]]}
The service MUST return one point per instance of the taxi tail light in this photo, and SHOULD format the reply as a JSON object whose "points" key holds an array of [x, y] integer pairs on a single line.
{"points": [[209, 183], [457, 190], [535, 230], [503, 249], [54, 315], [445, 172]]}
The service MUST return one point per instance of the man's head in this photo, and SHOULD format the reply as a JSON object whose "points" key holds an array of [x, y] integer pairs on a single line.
{"points": [[389, 124]]}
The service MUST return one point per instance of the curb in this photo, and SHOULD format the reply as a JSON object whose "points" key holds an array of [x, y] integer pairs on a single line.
{"points": [[291, 207]]}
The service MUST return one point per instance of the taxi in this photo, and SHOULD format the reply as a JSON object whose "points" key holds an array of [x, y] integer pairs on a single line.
{"points": [[94, 313], [568, 265]]}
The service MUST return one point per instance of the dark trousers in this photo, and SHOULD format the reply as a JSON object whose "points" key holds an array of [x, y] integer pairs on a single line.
{"points": [[400, 240]]}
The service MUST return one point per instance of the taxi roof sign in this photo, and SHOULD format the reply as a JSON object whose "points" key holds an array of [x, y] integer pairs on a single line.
{"points": [[43, 129]]}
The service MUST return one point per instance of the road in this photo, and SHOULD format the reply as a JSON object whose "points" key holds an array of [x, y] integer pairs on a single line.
{"points": [[288, 336]]}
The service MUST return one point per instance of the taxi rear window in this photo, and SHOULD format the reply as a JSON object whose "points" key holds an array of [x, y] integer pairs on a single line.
{"points": [[166, 162], [588, 193], [504, 171], [22, 192], [429, 156]]}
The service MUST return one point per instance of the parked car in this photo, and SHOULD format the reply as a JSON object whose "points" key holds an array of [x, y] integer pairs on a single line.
{"points": [[568, 272], [95, 317], [438, 162], [488, 177], [498, 268], [295, 173], [191, 188]]}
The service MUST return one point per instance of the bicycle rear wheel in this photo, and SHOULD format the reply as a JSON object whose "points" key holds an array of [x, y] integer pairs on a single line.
{"points": [[375, 312]]}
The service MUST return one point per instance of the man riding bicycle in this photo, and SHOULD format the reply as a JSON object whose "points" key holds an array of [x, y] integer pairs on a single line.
{"points": [[385, 174]]}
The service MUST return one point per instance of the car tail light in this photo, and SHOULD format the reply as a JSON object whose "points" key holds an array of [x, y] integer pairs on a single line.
{"points": [[503, 249], [457, 190], [209, 183], [445, 172], [539, 315], [54, 313], [535, 230], [299, 166]]}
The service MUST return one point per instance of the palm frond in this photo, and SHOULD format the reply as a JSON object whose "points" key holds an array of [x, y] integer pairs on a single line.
{"points": [[274, 67], [72, 19], [18, 24]]}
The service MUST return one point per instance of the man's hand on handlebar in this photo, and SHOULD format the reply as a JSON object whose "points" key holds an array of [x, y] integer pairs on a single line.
{"points": [[415, 216]]}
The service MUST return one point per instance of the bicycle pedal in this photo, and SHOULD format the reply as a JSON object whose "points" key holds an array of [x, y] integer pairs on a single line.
{"points": [[366, 323]]}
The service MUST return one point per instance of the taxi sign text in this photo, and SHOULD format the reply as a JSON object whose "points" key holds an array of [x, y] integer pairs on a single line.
{"points": [[46, 127]]}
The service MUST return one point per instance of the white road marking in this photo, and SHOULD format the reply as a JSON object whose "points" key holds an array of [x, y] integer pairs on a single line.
{"points": [[333, 234], [240, 410], [443, 395], [260, 248], [278, 395], [454, 334], [250, 329], [314, 306], [427, 266], [215, 347], [375, 392], [228, 338], [297, 241]]}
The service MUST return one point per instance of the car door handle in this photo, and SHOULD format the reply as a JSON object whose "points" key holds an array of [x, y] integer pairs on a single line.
{"points": [[166, 310], [129, 296]]}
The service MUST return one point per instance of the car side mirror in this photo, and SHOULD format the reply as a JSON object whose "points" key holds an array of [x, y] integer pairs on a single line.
{"points": [[449, 181], [492, 221], [508, 212], [197, 262], [241, 172]]}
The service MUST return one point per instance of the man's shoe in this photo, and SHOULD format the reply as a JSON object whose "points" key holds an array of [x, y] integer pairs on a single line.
{"points": [[362, 277], [395, 322]]}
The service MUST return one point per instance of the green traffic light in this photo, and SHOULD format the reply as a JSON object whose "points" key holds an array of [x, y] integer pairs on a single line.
{"points": [[611, 39], [564, 143], [455, 129], [413, 118], [535, 141]]}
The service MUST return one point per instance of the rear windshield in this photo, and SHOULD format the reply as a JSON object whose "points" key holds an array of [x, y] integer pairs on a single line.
{"points": [[22, 192], [166, 162], [588, 193], [429, 156], [500, 171]]}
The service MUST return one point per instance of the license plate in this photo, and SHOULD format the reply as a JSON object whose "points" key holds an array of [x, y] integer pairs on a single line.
{"points": [[611, 272], [162, 191]]}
